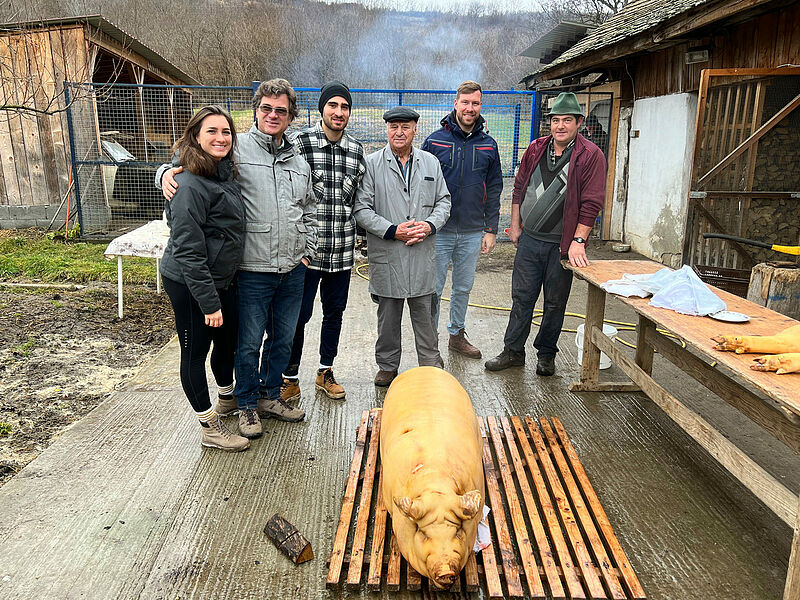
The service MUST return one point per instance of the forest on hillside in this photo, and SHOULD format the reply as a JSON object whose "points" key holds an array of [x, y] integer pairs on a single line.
{"points": [[233, 42]]}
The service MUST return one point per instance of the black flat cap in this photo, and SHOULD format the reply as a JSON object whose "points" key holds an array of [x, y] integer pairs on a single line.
{"points": [[401, 113]]}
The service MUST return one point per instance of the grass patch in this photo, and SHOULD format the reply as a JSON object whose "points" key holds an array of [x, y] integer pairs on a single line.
{"points": [[5, 429], [25, 348], [29, 255]]}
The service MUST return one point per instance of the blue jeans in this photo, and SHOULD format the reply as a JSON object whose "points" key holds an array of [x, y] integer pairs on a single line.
{"points": [[537, 266], [267, 302], [463, 249]]}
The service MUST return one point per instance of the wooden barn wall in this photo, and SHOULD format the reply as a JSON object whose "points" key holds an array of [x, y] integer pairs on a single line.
{"points": [[34, 147], [764, 42]]}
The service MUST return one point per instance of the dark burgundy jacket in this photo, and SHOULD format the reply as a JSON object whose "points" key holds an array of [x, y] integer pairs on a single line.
{"points": [[586, 183]]}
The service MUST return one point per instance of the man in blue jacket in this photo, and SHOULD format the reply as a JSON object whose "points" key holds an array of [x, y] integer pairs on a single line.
{"points": [[471, 167]]}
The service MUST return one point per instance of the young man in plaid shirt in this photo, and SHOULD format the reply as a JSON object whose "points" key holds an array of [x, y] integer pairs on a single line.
{"points": [[337, 167]]}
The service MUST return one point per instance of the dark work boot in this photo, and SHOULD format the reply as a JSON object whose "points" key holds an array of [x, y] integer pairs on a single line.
{"points": [[507, 358], [546, 366], [459, 343]]}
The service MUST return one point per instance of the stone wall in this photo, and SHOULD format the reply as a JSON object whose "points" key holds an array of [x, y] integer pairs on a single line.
{"points": [[21, 217]]}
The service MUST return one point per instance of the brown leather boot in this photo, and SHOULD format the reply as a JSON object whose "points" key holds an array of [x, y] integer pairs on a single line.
{"points": [[458, 343], [385, 378]]}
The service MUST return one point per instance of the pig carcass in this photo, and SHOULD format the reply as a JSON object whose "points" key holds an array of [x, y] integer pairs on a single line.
{"points": [[787, 340], [780, 363], [433, 486]]}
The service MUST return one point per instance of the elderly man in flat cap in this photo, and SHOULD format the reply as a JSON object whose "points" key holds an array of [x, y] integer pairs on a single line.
{"points": [[401, 203]]}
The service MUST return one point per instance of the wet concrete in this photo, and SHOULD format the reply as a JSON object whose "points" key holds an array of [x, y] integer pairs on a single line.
{"points": [[126, 503]]}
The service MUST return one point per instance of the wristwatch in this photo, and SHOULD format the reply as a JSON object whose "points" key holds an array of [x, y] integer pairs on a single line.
{"points": [[580, 240]]}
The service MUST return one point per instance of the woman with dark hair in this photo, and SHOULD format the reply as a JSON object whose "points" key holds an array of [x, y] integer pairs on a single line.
{"points": [[206, 220]]}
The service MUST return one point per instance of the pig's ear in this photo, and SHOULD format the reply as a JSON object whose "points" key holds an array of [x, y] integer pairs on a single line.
{"points": [[413, 510], [469, 505]]}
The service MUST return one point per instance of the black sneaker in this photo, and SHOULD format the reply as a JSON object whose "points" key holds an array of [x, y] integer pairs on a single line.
{"points": [[507, 358], [546, 366]]}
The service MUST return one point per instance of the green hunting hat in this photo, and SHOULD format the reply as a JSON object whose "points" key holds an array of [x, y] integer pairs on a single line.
{"points": [[566, 104]]}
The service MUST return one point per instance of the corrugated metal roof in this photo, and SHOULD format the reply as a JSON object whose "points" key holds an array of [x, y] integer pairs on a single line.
{"points": [[558, 40], [636, 18], [114, 32]]}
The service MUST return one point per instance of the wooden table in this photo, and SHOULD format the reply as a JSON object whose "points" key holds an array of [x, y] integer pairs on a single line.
{"points": [[774, 405]]}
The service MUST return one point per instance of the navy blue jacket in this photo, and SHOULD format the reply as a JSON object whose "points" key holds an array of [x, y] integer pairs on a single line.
{"points": [[471, 168]]}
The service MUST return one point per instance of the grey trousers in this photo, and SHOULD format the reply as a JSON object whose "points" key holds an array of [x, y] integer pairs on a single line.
{"points": [[388, 348]]}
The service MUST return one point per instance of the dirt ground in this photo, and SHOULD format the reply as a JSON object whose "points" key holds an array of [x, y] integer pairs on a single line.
{"points": [[62, 351]]}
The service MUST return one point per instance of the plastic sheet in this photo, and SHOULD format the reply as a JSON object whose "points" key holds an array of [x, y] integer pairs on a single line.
{"points": [[685, 293]]}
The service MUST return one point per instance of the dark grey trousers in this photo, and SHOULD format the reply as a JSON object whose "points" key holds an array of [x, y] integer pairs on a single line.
{"points": [[537, 266], [388, 347]]}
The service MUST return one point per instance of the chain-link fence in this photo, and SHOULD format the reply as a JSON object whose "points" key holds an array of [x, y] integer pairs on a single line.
{"points": [[121, 133]]}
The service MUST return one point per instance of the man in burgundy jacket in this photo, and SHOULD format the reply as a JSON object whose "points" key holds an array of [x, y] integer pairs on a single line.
{"points": [[558, 192]]}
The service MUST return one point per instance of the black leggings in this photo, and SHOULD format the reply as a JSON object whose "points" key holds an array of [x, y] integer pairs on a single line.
{"points": [[196, 337]]}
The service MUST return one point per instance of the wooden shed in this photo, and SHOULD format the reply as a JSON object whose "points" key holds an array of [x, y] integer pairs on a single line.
{"points": [[706, 124], [36, 58]]}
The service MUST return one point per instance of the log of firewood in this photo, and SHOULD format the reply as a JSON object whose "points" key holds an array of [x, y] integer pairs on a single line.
{"points": [[288, 539]]}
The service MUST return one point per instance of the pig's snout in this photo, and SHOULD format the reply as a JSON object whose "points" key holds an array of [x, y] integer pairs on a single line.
{"points": [[444, 576]]}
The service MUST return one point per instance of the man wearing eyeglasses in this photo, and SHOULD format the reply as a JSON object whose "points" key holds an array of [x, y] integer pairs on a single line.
{"points": [[280, 243]]}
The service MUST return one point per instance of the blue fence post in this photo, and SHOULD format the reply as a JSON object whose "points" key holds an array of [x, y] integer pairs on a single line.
{"points": [[515, 147], [255, 89], [400, 98], [72, 153], [228, 100], [534, 116]]}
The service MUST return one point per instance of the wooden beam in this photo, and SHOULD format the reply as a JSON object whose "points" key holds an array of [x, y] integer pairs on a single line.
{"points": [[613, 132], [777, 497], [792, 589], [745, 145]]}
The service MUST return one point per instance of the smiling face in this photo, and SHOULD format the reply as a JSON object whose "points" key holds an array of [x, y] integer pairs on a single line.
{"points": [[564, 128], [468, 109], [336, 113], [215, 136], [272, 115], [401, 136]]}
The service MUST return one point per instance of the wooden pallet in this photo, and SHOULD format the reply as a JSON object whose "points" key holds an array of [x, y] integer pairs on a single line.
{"points": [[551, 537]]}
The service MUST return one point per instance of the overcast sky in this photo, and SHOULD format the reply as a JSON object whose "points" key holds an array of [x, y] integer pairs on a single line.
{"points": [[449, 5]]}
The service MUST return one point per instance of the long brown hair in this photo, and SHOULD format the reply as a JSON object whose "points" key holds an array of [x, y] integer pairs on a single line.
{"points": [[190, 154]]}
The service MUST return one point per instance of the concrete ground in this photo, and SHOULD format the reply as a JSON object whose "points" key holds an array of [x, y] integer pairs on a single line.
{"points": [[126, 504]]}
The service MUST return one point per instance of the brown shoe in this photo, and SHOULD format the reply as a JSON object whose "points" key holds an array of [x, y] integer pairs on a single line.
{"points": [[327, 383], [226, 405], [290, 390], [458, 343], [249, 423], [216, 435], [278, 409], [385, 378]]}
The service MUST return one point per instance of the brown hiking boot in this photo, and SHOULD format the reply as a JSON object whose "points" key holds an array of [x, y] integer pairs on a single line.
{"points": [[279, 409], [327, 383], [290, 390], [226, 406], [458, 343], [216, 435], [249, 423], [385, 378]]}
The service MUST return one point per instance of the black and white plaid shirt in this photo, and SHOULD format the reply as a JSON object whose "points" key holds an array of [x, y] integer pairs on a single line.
{"points": [[336, 170]]}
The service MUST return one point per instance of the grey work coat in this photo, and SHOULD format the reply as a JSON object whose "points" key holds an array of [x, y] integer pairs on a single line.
{"points": [[383, 200]]}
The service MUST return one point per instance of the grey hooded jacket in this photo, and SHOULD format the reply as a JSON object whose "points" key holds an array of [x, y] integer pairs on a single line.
{"points": [[280, 206], [383, 200]]}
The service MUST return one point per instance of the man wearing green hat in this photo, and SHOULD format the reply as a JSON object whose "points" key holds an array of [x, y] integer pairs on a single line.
{"points": [[558, 192]]}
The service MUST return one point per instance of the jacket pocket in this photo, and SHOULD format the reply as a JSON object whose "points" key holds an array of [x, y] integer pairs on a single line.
{"points": [[299, 184], [214, 244], [258, 243], [443, 151], [300, 240], [481, 157], [349, 186], [318, 181]]}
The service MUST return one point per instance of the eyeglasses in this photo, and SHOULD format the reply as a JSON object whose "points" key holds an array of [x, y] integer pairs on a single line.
{"points": [[279, 110]]}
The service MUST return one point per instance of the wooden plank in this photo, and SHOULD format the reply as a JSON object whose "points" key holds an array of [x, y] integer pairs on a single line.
{"points": [[595, 311], [644, 351], [413, 579], [7, 157], [531, 570], [579, 550], [551, 517], [746, 256], [613, 132], [763, 485], [503, 537], [546, 556], [471, 573], [791, 590], [340, 540], [378, 539], [362, 521], [621, 562], [763, 412], [13, 91], [58, 122], [602, 559], [393, 568]]}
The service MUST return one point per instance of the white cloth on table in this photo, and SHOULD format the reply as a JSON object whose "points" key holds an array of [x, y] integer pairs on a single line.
{"points": [[148, 240], [681, 291]]}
